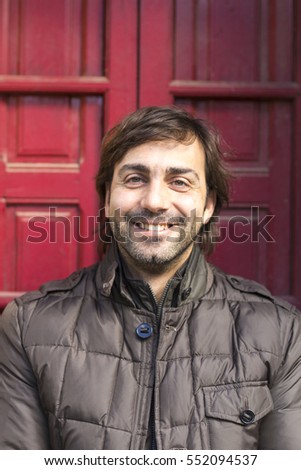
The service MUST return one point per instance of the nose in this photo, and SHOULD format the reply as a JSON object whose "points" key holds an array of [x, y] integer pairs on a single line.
{"points": [[155, 197]]}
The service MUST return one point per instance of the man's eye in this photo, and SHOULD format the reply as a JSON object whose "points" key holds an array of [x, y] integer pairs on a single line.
{"points": [[134, 180], [180, 184]]}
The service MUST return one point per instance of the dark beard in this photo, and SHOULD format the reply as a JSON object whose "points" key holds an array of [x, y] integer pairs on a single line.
{"points": [[140, 250], [153, 264]]}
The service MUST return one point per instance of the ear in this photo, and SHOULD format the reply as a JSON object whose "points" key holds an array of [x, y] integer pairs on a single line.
{"points": [[107, 200], [210, 206]]}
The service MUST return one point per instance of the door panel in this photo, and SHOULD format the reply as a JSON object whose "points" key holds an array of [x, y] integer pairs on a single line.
{"points": [[52, 38], [48, 236], [43, 130]]}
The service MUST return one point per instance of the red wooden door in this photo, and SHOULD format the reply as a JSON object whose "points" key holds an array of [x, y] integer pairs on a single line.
{"points": [[62, 81], [237, 63]]}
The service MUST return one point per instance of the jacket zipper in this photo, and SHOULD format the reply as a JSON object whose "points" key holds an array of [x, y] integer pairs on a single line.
{"points": [[158, 307]]}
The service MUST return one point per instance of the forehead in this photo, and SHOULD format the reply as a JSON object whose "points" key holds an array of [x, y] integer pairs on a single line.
{"points": [[162, 155]]}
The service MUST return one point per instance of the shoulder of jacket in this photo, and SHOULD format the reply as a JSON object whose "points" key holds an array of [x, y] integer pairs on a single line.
{"points": [[247, 286], [59, 285]]}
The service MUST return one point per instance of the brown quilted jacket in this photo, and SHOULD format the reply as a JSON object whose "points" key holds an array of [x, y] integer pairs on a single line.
{"points": [[92, 362]]}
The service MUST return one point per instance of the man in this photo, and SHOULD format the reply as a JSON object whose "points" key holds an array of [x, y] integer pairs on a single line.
{"points": [[153, 348]]}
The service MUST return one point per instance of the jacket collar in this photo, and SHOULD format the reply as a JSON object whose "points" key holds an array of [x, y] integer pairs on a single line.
{"points": [[190, 282]]}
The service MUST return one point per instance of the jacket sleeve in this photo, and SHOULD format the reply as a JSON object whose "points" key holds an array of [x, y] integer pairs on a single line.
{"points": [[281, 429], [23, 422]]}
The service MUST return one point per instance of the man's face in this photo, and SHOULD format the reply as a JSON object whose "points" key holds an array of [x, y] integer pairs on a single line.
{"points": [[157, 203]]}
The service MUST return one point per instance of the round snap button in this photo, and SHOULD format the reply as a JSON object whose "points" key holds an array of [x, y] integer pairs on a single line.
{"points": [[247, 417], [144, 330]]}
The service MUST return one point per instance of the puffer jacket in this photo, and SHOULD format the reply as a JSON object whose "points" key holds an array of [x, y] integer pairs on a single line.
{"points": [[92, 362]]}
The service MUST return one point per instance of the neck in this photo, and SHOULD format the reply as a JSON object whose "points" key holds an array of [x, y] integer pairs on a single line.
{"points": [[158, 280], [157, 283]]}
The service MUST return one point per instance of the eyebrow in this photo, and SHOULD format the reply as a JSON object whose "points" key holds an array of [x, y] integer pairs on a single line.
{"points": [[133, 167], [172, 170]]}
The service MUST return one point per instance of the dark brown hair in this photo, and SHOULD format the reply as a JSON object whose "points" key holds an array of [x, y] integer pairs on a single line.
{"points": [[155, 124]]}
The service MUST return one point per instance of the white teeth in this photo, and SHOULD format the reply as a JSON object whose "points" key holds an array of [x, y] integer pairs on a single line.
{"points": [[151, 227]]}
